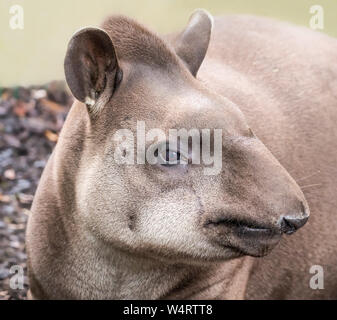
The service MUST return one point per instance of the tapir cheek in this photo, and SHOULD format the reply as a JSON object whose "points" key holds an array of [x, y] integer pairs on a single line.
{"points": [[169, 219]]}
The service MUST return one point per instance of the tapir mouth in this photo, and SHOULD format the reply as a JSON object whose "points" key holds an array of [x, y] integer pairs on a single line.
{"points": [[249, 239]]}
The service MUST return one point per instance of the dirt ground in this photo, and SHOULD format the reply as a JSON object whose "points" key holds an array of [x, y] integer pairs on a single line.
{"points": [[30, 121]]}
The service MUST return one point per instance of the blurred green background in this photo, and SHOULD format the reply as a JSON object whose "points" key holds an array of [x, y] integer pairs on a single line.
{"points": [[35, 54]]}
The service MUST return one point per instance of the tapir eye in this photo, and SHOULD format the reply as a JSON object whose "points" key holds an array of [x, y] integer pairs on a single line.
{"points": [[168, 157], [171, 157]]}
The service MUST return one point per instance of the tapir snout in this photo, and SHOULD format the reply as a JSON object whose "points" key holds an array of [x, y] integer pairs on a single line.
{"points": [[255, 210]]}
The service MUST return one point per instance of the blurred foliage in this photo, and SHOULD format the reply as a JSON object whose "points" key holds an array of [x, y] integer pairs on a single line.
{"points": [[35, 55]]}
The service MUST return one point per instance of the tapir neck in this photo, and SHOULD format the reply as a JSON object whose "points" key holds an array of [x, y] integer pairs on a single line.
{"points": [[227, 280], [115, 274]]}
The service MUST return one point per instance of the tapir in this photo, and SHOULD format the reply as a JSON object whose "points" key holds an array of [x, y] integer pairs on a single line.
{"points": [[263, 227]]}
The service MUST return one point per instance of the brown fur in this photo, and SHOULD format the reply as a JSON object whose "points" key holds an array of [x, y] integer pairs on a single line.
{"points": [[104, 231]]}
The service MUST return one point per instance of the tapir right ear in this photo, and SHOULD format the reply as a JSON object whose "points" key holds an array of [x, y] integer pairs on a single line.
{"points": [[91, 66], [191, 45]]}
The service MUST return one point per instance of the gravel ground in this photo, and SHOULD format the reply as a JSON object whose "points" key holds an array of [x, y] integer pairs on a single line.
{"points": [[30, 120]]}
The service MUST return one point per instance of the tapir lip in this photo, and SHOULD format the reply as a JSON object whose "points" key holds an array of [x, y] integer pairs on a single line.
{"points": [[244, 228], [257, 232], [248, 238]]}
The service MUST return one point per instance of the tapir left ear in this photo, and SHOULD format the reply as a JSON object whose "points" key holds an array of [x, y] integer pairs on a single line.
{"points": [[191, 44], [91, 67]]}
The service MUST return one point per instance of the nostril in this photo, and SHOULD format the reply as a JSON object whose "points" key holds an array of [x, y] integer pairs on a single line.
{"points": [[290, 224]]}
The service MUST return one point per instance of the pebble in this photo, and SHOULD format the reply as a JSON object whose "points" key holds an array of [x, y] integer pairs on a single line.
{"points": [[24, 151]]}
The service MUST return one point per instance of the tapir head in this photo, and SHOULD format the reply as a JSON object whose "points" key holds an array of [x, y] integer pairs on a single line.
{"points": [[216, 195]]}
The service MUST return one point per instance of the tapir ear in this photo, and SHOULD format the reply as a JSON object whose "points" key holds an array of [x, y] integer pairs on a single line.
{"points": [[91, 66], [191, 45]]}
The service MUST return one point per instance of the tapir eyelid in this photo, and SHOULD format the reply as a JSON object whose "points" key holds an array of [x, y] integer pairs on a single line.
{"points": [[182, 158]]}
